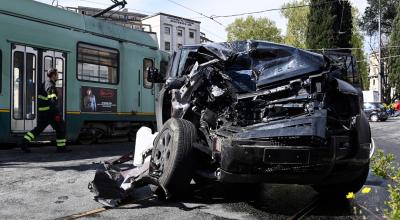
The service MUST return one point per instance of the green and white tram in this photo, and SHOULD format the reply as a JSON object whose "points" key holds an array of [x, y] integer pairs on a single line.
{"points": [[103, 87]]}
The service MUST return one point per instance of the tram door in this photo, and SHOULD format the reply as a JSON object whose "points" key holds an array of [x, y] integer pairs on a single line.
{"points": [[29, 67], [24, 81]]}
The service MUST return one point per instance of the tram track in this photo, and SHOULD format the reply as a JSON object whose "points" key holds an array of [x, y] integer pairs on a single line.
{"points": [[307, 209], [102, 209]]}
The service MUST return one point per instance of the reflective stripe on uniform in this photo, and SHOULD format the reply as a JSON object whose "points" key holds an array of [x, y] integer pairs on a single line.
{"points": [[52, 96], [30, 135], [42, 97], [61, 142], [28, 138], [44, 108]]}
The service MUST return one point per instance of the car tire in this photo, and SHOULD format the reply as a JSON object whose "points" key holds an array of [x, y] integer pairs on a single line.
{"points": [[342, 189], [172, 157], [374, 118]]}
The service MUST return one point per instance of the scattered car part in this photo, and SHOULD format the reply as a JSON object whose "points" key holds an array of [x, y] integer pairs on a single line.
{"points": [[115, 180]]}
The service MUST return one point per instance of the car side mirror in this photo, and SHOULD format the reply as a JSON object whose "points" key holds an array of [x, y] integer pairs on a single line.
{"points": [[154, 75]]}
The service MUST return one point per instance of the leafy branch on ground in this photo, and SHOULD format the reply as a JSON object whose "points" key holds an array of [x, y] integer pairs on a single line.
{"points": [[384, 165]]}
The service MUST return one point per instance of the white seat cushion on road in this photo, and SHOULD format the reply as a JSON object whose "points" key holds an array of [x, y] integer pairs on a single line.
{"points": [[144, 141]]}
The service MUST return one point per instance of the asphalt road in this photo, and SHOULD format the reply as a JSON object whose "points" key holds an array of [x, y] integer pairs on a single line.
{"points": [[47, 185]]}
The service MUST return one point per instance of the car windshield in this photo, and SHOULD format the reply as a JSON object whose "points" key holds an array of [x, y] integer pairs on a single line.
{"points": [[373, 105]]}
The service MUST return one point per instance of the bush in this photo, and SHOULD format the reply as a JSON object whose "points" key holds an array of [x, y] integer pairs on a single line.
{"points": [[383, 165]]}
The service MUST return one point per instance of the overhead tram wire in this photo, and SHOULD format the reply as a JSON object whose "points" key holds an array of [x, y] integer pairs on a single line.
{"points": [[215, 35], [267, 10], [199, 13]]}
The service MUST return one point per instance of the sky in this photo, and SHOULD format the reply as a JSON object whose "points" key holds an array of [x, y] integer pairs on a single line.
{"points": [[212, 29]]}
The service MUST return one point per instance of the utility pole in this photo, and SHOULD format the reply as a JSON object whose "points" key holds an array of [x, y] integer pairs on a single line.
{"points": [[381, 70]]}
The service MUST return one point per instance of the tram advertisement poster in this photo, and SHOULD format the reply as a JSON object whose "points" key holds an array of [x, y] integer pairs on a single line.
{"points": [[94, 99]]}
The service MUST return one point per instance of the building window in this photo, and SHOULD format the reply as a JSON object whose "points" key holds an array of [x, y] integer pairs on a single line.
{"points": [[373, 82], [147, 63], [180, 33], [167, 46], [97, 64], [167, 30], [191, 34]]}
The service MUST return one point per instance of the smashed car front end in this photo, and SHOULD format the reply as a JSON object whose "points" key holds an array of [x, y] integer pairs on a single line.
{"points": [[308, 131], [271, 113]]}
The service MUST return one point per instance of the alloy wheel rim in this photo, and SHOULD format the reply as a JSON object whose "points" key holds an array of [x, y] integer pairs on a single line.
{"points": [[162, 151]]}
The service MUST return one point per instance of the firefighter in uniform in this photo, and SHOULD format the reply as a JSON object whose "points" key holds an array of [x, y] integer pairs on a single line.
{"points": [[48, 114]]}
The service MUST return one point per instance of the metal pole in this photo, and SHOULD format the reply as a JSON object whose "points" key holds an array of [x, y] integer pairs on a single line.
{"points": [[380, 52]]}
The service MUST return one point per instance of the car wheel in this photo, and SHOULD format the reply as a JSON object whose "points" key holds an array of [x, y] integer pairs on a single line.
{"points": [[344, 188], [374, 118], [171, 158]]}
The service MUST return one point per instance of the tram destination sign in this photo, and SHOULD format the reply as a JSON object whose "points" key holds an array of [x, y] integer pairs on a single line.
{"points": [[94, 99]]}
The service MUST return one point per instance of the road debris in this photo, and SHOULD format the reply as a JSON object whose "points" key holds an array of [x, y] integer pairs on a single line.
{"points": [[115, 180]]}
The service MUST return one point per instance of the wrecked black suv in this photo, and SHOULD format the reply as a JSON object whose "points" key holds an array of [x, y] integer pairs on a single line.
{"points": [[254, 111]]}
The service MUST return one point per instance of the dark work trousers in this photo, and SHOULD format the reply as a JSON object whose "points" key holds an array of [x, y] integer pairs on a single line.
{"points": [[46, 118]]}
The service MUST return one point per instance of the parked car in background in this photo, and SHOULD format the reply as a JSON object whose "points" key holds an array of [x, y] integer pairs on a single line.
{"points": [[375, 111]]}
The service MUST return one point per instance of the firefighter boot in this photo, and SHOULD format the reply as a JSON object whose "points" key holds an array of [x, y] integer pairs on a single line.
{"points": [[24, 145]]}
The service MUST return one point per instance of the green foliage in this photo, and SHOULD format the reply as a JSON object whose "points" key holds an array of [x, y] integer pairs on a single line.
{"points": [[369, 22], [296, 29], [383, 165], [394, 50], [394, 202], [254, 29], [330, 24], [357, 42]]}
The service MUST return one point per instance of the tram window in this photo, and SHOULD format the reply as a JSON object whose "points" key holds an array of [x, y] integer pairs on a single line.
{"points": [[48, 63], [164, 67], [60, 68], [97, 64], [18, 84], [146, 64]]}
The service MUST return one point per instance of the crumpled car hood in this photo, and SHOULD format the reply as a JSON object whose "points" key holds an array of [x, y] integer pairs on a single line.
{"points": [[254, 64]]}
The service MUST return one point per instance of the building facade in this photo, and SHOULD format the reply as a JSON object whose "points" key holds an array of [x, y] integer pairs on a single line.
{"points": [[172, 31], [373, 75]]}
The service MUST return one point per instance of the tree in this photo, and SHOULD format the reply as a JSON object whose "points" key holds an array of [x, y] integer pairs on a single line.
{"points": [[357, 42], [369, 22], [330, 24], [254, 29], [296, 29], [394, 51]]}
